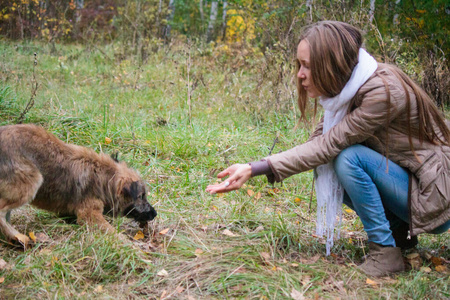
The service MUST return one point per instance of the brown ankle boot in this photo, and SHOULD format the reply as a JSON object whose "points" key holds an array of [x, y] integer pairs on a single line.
{"points": [[382, 261]]}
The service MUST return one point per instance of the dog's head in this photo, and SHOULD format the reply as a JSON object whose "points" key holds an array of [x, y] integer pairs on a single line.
{"points": [[136, 204]]}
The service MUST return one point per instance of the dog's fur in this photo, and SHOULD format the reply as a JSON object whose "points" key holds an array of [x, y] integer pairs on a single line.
{"points": [[38, 168]]}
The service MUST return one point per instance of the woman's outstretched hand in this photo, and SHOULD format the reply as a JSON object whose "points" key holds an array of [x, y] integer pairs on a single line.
{"points": [[238, 175]]}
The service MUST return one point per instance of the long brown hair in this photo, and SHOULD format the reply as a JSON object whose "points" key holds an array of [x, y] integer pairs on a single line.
{"points": [[334, 48]]}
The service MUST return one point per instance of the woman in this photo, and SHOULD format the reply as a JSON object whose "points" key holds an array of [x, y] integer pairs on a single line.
{"points": [[383, 147]]}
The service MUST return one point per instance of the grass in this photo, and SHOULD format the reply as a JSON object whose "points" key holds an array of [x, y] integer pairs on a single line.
{"points": [[90, 97]]}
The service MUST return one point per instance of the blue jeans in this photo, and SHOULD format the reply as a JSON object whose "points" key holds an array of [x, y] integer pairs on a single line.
{"points": [[380, 198]]}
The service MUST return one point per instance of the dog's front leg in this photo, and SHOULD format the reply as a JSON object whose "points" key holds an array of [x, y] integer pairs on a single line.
{"points": [[90, 212], [10, 232]]}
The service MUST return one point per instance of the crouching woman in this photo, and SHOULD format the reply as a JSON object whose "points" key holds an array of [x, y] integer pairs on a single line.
{"points": [[382, 147]]}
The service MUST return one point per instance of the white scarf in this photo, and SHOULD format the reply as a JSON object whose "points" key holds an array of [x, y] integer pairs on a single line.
{"points": [[328, 189]]}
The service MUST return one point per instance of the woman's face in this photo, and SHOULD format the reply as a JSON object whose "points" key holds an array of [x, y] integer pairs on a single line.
{"points": [[304, 73]]}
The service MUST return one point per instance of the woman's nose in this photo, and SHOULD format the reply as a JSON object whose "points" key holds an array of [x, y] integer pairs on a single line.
{"points": [[301, 74]]}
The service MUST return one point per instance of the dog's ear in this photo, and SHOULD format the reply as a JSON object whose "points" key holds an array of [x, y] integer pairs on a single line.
{"points": [[115, 156], [131, 190]]}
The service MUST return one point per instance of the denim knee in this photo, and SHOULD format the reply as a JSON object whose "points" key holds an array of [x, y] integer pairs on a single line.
{"points": [[346, 158]]}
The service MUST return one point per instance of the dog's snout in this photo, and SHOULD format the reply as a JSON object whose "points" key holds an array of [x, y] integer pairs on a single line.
{"points": [[141, 212]]}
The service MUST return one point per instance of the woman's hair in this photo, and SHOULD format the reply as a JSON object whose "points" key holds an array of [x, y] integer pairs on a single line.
{"points": [[334, 48]]}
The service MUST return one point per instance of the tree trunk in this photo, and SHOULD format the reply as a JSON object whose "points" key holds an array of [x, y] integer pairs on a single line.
{"points": [[395, 19], [309, 6], [371, 11], [212, 21], [200, 5], [170, 18], [79, 5], [224, 19]]}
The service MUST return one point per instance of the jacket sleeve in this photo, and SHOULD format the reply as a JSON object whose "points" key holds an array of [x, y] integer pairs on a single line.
{"points": [[354, 128]]}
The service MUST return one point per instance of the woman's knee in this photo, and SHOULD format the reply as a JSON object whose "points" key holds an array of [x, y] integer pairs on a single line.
{"points": [[347, 157]]}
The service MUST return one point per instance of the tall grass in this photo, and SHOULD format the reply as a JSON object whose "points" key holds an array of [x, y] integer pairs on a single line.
{"points": [[108, 102]]}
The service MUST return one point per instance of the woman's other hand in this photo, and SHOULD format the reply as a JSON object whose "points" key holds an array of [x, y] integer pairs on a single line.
{"points": [[238, 175]]}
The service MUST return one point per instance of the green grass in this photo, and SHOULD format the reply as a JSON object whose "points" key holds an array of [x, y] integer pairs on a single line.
{"points": [[85, 97]]}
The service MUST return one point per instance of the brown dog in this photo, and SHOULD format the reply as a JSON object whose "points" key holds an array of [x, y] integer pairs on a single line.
{"points": [[38, 168]]}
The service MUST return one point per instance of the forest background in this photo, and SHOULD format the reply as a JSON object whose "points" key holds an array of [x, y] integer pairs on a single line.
{"points": [[183, 89]]}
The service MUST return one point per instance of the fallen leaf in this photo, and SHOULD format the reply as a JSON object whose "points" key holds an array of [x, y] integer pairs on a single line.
{"points": [[425, 269], [437, 261], [32, 236], [294, 265], [414, 260], [179, 289], [162, 273], [107, 140], [46, 251], [412, 255], [297, 200], [164, 231], [139, 235], [2, 279], [229, 233], [348, 210], [198, 252], [250, 193], [23, 239], [190, 298], [258, 196], [42, 237], [311, 260], [272, 192], [266, 256], [371, 282], [296, 295], [441, 269], [163, 294], [305, 280], [98, 289], [3, 264]]}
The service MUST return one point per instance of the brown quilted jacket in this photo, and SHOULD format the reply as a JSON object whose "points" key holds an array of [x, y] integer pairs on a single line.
{"points": [[367, 123]]}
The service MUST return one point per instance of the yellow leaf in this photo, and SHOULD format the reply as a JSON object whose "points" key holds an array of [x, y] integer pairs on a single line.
{"points": [[164, 231], [425, 269], [2, 279], [258, 196], [98, 289], [441, 269], [250, 193], [297, 200], [32, 236], [371, 282], [348, 210], [229, 233], [107, 140], [139, 235]]}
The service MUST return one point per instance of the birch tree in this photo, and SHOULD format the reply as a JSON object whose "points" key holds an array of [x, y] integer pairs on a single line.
{"points": [[212, 21]]}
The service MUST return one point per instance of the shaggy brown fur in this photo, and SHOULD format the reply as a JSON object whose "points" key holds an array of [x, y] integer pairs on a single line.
{"points": [[38, 168]]}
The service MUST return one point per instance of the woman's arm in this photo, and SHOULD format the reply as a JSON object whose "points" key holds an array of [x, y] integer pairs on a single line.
{"points": [[354, 128]]}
